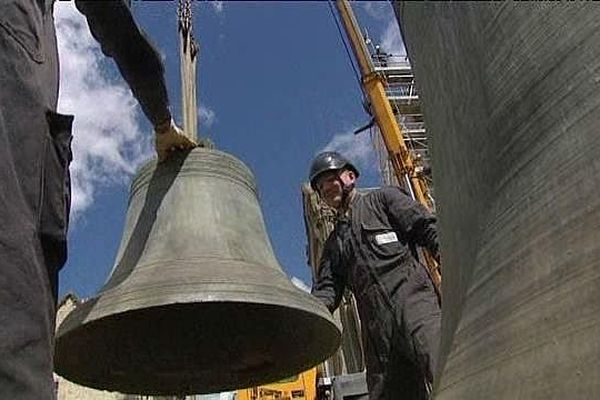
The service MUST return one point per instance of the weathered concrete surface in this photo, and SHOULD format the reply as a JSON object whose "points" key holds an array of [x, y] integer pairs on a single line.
{"points": [[511, 94]]}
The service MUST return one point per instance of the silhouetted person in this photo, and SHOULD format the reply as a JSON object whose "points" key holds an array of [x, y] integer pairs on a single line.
{"points": [[35, 152]]}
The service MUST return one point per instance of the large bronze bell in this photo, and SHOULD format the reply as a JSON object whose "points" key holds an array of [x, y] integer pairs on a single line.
{"points": [[196, 301]]}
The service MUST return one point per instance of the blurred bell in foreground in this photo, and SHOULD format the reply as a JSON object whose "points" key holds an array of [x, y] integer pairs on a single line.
{"points": [[512, 105]]}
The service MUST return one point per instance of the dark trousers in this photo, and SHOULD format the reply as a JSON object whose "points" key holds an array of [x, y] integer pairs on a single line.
{"points": [[402, 364], [34, 201]]}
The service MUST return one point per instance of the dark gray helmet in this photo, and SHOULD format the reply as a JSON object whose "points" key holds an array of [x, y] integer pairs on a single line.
{"points": [[329, 161]]}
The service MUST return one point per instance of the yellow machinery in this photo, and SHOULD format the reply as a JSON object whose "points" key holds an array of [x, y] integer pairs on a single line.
{"points": [[298, 387]]}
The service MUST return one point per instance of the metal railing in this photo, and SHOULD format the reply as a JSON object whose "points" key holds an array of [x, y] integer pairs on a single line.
{"points": [[390, 61], [399, 90]]}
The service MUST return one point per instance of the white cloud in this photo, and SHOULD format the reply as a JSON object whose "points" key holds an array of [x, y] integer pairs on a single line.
{"points": [[206, 116], [108, 142], [357, 148], [391, 40], [299, 283], [217, 6], [375, 9]]}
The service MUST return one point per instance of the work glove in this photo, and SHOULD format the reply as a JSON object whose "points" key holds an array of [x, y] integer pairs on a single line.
{"points": [[169, 138]]}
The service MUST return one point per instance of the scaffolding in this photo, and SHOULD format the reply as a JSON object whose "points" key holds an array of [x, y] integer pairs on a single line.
{"points": [[404, 99]]}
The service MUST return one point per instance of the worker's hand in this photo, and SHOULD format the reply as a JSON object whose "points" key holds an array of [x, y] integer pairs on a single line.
{"points": [[169, 138]]}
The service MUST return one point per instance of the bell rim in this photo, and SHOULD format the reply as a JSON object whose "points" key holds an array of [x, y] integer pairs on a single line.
{"points": [[218, 280], [220, 292], [325, 324]]}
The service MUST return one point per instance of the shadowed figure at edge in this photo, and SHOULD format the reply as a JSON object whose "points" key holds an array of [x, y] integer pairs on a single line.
{"points": [[35, 152], [372, 251]]}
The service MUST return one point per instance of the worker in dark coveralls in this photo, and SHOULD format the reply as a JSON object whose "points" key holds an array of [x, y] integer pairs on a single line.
{"points": [[372, 252], [34, 178]]}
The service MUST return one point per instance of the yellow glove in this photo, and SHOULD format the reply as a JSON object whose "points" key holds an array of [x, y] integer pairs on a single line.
{"points": [[170, 138]]}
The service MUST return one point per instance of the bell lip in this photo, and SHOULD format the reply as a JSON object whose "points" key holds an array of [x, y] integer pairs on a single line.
{"points": [[329, 334], [144, 288], [220, 293]]}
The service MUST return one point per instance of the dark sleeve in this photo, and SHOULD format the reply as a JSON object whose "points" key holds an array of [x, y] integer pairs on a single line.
{"points": [[412, 219], [112, 25], [329, 284]]}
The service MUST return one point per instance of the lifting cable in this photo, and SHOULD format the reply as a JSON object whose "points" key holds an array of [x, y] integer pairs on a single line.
{"points": [[337, 24], [356, 74], [360, 85]]}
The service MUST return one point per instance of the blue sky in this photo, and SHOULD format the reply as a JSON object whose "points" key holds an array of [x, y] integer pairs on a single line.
{"points": [[275, 87]]}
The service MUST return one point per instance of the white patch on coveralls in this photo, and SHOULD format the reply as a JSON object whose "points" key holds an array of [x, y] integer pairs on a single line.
{"points": [[385, 238]]}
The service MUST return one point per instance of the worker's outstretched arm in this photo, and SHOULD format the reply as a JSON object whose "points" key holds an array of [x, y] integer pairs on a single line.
{"points": [[113, 26], [330, 282], [412, 219]]}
